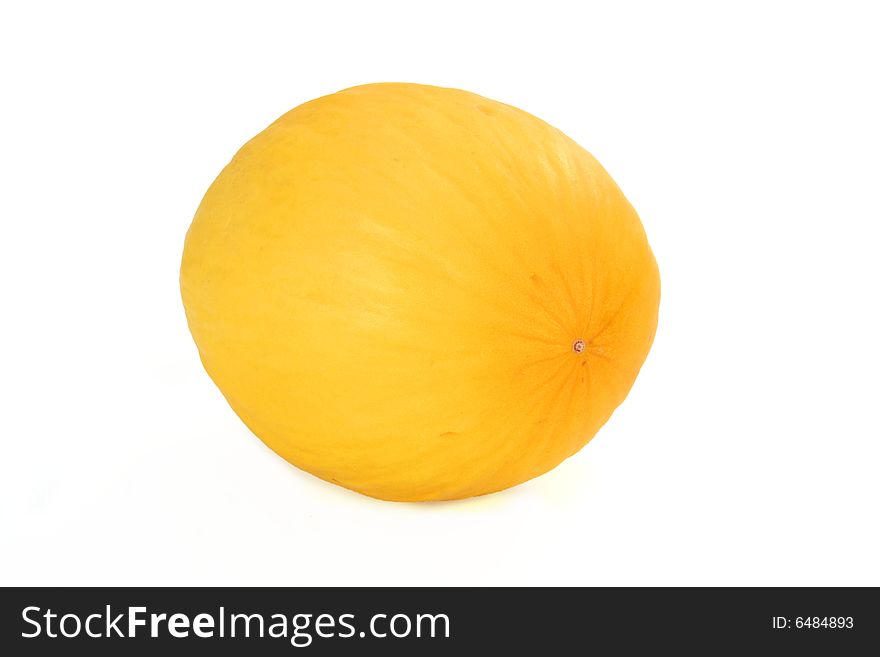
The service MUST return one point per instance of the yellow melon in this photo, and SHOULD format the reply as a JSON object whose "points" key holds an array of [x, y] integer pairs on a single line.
{"points": [[419, 293]]}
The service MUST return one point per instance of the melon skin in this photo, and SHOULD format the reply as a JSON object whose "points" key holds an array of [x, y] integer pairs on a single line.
{"points": [[418, 293]]}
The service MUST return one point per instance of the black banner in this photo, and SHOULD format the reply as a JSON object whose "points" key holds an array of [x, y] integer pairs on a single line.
{"points": [[278, 621]]}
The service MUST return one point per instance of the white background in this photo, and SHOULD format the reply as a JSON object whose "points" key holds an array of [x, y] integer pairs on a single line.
{"points": [[746, 137]]}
